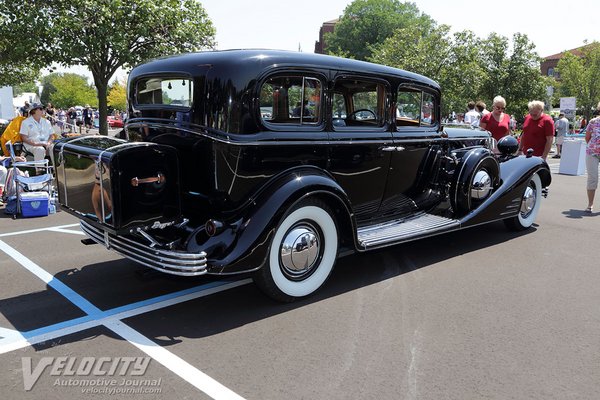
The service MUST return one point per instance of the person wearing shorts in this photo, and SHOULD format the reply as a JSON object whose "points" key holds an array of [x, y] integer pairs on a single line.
{"points": [[592, 158]]}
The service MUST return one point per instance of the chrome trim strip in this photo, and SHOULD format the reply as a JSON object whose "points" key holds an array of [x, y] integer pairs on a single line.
{"points": [[171, 262]]}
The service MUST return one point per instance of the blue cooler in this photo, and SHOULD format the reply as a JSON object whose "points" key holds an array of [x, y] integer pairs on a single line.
{"points": [[34, 204]]}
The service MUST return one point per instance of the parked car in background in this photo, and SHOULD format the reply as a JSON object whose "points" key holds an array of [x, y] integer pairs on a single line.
{"points": [[114, 122], [227, 179]]}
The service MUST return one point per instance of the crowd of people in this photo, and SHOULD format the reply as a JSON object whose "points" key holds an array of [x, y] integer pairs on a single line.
{"points": [[539, 131], [72, 119]]}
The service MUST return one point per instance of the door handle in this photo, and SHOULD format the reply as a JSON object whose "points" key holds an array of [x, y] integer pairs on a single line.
{"points": [[160, 178], [392, 148]]}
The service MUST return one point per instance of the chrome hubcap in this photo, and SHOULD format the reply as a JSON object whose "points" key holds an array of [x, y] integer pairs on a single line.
{"points": [[482, 185], [299, 251], [528, 202]]}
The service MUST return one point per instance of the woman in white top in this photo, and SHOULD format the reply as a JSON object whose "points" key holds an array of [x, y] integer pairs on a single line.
{"points": [[36, 132]]}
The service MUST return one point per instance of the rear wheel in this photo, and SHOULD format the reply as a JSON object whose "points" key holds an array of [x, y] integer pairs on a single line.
{"points": [[530, 206], [302, 253]]}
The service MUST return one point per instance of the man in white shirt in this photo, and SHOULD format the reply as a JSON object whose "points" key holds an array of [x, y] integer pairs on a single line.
{"points": [[36, 132], [562, 128], [472, 117]]}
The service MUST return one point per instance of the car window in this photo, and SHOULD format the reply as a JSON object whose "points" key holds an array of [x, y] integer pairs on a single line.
{"points": [[175, 92], [291, 100], [428, 116], [415, 108], [408, 108], [358, 103]]}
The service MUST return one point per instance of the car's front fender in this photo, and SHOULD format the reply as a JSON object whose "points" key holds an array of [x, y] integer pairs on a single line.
{"points": [[505, 201]]}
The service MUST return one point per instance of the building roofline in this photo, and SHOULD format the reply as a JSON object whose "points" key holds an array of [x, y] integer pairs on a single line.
{"points": [[576, 51]]}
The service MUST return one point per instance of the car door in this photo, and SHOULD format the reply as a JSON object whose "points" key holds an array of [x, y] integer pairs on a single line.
{"points": [[359, 137], [414, 164]]}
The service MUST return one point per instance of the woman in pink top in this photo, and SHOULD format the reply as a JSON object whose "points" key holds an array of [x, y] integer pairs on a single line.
{"points": [[592, 159], [497, 122]]}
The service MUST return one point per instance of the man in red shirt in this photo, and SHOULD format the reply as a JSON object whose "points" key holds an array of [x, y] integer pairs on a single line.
{"points": [[538, 131]]}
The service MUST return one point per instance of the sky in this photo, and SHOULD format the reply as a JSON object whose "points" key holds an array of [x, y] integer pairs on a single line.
{"points": [[281, 24], [278, 24]]}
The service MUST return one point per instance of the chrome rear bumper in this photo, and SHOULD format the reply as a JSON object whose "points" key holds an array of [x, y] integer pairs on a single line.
{"points": [[168, 261]]}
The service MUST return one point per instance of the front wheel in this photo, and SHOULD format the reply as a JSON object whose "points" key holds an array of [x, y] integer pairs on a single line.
{"points": [[302, 253], [530, 206]]}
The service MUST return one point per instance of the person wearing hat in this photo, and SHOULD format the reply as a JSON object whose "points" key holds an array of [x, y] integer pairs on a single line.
{"points": [[36, 132]]}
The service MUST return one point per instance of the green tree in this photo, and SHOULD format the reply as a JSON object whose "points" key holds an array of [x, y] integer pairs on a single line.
{"points": [[18, 63], [117, 96], [580, 78], [105, 35], [25, 87], [72, 90], [462, 77], [452, 61], [48, 88], [366, 24], [511, 72]]}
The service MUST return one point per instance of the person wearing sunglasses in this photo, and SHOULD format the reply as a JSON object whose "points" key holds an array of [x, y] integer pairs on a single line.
{"points": [[497, 121]]}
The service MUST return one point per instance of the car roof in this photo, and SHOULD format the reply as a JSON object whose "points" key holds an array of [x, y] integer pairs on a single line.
{"points": [[255, 61]]}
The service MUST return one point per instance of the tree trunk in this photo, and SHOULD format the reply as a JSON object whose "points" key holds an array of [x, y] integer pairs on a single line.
{"points": [[102, 87]]}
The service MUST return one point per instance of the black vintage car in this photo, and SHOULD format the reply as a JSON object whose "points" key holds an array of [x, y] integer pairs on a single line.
{"points": [[277, 163]]}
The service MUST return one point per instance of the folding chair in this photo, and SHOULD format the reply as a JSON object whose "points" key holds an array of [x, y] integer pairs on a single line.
{"points": [[38, 187]]}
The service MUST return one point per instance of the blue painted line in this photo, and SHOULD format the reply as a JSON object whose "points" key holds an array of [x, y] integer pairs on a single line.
{"points": [[74, 297], [57, 326], [97, 315], [164, 297]]}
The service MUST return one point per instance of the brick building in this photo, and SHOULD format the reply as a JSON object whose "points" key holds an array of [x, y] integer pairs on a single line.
{"points": [[327, 27], [549, 63]]}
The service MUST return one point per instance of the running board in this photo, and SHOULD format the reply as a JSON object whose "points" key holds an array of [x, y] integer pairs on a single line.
{"points": [[401, 230]]}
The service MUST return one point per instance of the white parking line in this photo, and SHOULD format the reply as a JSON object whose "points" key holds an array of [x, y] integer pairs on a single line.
{"points": [[177, 365], [12, 343], [37, 230], [171, 361], [10, 335], [61, 230]]}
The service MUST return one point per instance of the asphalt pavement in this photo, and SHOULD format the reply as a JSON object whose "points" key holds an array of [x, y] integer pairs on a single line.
{"points": [[482, 313]]}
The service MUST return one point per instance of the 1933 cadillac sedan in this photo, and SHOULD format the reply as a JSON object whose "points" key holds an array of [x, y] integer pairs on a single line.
{"points": [[277, 163]]}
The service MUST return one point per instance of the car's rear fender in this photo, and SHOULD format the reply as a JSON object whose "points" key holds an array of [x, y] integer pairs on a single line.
{"points": [[243, 243]]}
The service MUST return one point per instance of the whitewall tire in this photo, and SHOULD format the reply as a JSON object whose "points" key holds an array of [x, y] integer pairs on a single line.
{"points": [[530, 206], [302, 253]]}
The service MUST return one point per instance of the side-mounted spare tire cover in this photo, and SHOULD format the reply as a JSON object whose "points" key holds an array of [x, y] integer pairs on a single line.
{"points": [[477, 175]]}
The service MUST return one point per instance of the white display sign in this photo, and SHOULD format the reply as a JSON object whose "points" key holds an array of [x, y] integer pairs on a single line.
{"points": [[568, 106]]}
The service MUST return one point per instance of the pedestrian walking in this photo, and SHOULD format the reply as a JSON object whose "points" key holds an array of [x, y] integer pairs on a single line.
{"points": [[88, 116], [592, 158], [562, 128]]}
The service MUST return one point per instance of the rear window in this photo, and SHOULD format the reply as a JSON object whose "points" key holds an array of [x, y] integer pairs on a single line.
{"points": [[175, 92]]}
